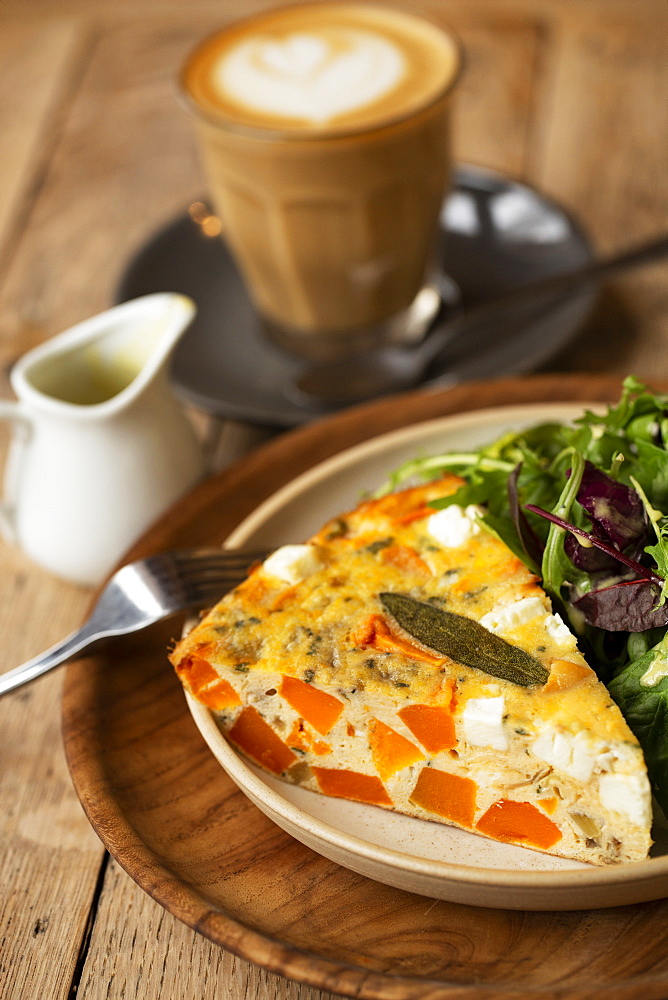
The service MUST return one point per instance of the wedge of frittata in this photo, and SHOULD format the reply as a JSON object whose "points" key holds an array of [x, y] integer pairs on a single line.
{"points": [[406, 657]]}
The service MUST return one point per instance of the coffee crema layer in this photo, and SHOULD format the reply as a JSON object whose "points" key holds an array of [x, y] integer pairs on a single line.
{"points": [[329, 66]]}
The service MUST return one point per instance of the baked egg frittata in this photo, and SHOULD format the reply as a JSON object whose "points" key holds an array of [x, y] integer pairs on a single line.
{"points": [[405, 657]]}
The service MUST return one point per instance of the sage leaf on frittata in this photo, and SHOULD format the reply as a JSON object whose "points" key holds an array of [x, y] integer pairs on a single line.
{"points": [[463, 640]]}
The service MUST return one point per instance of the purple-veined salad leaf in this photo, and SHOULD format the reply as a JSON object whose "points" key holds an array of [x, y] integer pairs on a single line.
{"points": [[587, 557], [616, 514], [628, 606], [615, 510]]}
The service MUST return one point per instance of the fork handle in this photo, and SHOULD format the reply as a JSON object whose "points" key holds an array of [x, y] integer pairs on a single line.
{"points": [[64, 650]]}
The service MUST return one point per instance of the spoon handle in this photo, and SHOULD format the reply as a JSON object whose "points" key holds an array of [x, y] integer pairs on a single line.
{"points": [[643, 253]]}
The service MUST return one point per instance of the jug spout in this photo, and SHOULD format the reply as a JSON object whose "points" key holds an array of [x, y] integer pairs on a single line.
{"points": [[107, 360], [137, 338]]}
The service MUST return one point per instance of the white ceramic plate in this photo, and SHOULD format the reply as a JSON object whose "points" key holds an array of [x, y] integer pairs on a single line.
{"points": [[412, 854]]}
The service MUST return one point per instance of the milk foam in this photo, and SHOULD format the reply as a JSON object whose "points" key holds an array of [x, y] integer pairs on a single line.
{"points": [[310, 76]]}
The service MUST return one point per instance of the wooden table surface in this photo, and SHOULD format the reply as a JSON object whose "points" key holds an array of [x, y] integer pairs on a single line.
{"points": [[94, 155]]}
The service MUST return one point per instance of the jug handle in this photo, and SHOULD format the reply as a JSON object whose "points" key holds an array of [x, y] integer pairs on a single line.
{"points": [[14, 412]]}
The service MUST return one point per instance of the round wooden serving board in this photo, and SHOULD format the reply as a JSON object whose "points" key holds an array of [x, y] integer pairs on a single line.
{"points": [[173, 819]]}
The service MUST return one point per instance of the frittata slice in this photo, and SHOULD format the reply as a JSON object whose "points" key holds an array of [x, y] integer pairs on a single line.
{"points": [[327, 667]]}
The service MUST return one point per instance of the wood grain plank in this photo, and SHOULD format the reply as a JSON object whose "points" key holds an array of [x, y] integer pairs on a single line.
{"points": [[49, 856], [491, 122], [607, 145], [125, 162], [40, 60], [604, 155]]}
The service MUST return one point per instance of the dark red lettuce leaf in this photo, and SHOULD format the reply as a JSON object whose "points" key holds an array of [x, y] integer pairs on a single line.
{"points": [[624, 607], [615, 510], [589, 558]]}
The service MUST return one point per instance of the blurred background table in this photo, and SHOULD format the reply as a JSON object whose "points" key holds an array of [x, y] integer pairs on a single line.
{"points": [[94, 155]]}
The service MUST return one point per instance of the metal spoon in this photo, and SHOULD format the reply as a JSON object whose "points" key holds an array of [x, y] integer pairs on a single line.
{"points": [[392, 368]]}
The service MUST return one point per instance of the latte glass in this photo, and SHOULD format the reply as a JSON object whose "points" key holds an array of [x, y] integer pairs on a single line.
{"points": [[324, 135]]}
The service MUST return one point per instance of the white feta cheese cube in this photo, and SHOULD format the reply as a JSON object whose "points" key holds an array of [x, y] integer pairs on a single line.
{"points": [[576, 755], [506, 617], [627, 794], [454, 526], [557, 629], [293, 563], [483, 722]]}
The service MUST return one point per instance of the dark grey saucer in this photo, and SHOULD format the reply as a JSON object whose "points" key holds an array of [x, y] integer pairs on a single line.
{"points": [[495, 235]]}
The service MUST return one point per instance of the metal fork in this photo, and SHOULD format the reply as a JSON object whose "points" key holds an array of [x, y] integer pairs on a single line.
{"points": [[141, 593]]}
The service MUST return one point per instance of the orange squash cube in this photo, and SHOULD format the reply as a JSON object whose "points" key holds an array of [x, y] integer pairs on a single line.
{"points": [[320, 709], [344, 784], [519, 823], [256, 738], [390, 750], [447, 795]]}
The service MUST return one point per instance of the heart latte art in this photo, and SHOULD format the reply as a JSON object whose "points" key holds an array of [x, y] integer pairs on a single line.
{"points": [[310, 76], [321, 66]]}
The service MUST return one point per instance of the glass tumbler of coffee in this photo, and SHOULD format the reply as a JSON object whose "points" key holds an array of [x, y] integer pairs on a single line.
{"points": [[324, 134]]}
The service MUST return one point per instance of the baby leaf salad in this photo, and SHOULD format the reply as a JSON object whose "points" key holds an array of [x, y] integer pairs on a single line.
{"points": [[585, 506]]}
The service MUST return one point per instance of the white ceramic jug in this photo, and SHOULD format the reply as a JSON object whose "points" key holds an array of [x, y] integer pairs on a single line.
{"points": [[100, 446]]}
